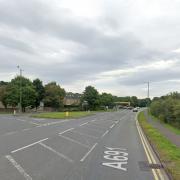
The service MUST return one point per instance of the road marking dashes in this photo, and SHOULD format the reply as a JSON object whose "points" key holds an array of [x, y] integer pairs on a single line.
{"points": [[83, 124], [112, 126], [56, 152], [105, 133], [87, 154], [83, 134], [66, 131], [29, 145], [18, 167], [72, 140]]}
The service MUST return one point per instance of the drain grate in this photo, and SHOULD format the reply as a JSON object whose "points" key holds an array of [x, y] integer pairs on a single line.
{"points": [[155, 166], [145, 166]]}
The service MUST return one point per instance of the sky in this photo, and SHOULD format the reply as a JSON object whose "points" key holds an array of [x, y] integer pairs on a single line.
{"points": [[116, 46]]}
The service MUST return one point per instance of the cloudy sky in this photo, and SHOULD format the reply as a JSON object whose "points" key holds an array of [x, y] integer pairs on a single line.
{"points": [[114, 45]]}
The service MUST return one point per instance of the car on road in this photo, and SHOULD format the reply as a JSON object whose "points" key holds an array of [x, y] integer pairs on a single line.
{"points": [[135, 109]]}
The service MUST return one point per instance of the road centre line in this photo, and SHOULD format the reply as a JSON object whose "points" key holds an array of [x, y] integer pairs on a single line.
{"points": [[83, 124], [86, 155], [83, 134], [66, 131], [105, 133], [22, 148], [72, 140], [58, 153], [18, 167]]}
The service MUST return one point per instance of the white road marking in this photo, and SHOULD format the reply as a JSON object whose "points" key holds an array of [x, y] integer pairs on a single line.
{"points": [[28, 122], [86, 155], [26, 129], [112, 126], [10, 133], [72, 140], [58, 153], [105, 133], [93, 120], [116, 157], [66, 131], [56, 122], [28, 145], [83, 134], [84, 124], [18, 167]]}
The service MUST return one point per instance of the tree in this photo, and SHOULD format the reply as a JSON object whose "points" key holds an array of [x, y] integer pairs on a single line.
{"points": [[13, 92], [91, 95], [54, 95], [106, 100], [134, 101], [39, 90], [3, 95]]}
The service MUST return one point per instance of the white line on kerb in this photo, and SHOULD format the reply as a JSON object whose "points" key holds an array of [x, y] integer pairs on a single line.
{"points": [[105, 133], [86, 155], [58, 153], [72, 140], [83, 124], [18, 167], [28, 145], [66, 131]]}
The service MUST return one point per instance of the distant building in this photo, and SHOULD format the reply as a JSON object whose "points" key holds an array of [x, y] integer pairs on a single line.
{"points": [[72, 99]]}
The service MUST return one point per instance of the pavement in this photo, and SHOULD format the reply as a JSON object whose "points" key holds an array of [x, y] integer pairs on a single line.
{"points": [[169, 134], [104, 146]]}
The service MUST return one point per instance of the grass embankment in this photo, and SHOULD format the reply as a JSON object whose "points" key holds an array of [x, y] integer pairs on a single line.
{"points": [[168, 152], [168, 126], [63, 115]]}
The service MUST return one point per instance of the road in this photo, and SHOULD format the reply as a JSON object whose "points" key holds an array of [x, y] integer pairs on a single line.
{"points": [[100, 147]]}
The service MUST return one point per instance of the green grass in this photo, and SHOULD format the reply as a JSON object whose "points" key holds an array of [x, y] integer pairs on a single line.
{"points": [[62, 115], [168, 152], [168, 126]]}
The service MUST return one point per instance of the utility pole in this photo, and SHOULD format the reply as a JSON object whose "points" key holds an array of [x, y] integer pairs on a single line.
{"points": [[148, 100], [20, 89], [148, 90]]}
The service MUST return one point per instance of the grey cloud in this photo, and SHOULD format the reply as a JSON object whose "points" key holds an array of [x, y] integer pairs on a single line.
{"points": [[16, 44], [141, 77]]}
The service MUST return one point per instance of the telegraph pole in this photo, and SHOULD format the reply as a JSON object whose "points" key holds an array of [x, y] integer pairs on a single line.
{"points": [[148, 90], [148, 100], [20, 89]]}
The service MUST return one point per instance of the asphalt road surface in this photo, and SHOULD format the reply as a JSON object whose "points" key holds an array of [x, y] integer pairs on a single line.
{"points": [[105, 146]]}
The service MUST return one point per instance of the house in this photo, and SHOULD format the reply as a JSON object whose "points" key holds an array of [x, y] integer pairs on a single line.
{"points": [[72, 99]]}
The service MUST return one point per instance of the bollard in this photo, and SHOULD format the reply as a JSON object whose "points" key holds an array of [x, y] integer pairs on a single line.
{"points": [[67, 113]]}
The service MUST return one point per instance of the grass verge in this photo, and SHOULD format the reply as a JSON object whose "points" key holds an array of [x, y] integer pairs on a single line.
{"points": [[63, 115], [168, 152]]}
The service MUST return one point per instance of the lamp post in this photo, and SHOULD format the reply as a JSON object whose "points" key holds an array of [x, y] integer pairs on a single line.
{"points": [[20, 89]]}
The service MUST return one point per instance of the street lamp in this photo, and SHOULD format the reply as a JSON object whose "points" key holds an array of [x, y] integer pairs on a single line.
{"points": [[20, 89]]}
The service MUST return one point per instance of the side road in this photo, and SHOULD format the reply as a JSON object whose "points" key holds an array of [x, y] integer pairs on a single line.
{"points": [[174, 138]]}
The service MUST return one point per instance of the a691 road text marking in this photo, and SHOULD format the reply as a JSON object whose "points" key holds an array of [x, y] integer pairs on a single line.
{"points": [[117, 158]]}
